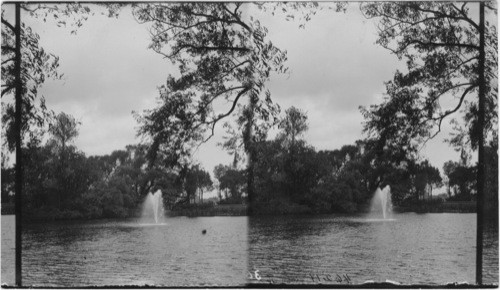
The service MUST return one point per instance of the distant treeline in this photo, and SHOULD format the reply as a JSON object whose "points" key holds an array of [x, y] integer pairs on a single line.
{"points": [[293, 177], [289, 176], [61, 182]]}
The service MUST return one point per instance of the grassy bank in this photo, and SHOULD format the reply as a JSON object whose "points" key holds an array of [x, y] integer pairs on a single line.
{"points": [[55, 214], [437, 206], [279, 207], [210, 210]]}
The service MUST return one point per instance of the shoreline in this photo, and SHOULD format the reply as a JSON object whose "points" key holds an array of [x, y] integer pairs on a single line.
{"points": [[243, 210]]}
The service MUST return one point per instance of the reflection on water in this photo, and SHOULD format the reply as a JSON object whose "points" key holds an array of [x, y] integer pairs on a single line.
{"points": [[127, 253], [411, 249]]}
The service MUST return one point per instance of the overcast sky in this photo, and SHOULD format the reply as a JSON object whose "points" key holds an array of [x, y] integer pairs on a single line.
{"points": [[109, 72]]}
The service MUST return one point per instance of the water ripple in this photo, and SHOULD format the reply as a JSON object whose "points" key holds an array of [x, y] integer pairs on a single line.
{"points": [[412, 249]]}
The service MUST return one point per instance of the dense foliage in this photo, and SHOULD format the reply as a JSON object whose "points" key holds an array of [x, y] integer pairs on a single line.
{"points": [[37, 65], [440, 44], [61, 182], [223, 55], [291, 176]]}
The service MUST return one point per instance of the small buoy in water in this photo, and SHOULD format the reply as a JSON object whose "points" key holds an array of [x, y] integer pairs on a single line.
{"points": [[204, 231]]}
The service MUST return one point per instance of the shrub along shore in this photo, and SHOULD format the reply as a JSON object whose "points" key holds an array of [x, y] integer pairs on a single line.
{"points": [[207, 209]]}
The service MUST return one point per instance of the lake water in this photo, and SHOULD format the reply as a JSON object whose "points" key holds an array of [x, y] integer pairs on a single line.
{"points": [[411, 249], [133, 253]]}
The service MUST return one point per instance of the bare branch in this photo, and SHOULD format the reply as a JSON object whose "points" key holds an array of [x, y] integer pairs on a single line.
{"points": [[231, 48], [234, 67], [441, 117], [410, 24], [188, 27], [247, 88], [238, 20], [9, 25], [460, 65], [217, 95], [24, 7], [7, 89], [489, 7], [444, 15], [449, 112], [450, 88], [465, 16], [8, 48], [221, 116], [7, 60], [437, 44]]}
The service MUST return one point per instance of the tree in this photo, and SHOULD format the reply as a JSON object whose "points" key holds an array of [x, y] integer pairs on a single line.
{"points": [[448, 168], [205, 183], [197, 180], [269, 172], [426, 177], [232, 181], [18, 69], [449, 54], [64, 129], [293, 125], [36, 63], [462, 178], [219, 171], [233, 143], [130, 169], [223, 57], [52, 188], [440, 42], [302, 172]]}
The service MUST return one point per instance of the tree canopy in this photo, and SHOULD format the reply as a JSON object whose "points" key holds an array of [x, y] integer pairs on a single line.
{"points": [[223, 56], [37, 65], [440, 44]]}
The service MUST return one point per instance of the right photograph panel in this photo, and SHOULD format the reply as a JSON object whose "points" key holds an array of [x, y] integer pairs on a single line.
{"points": [[382, 167]]}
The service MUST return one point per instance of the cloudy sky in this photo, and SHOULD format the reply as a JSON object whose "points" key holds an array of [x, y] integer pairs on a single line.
{"points": [[109, 72]]}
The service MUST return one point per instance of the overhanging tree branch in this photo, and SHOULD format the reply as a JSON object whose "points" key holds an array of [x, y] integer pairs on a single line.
{"points": [[7, 89], [221, 116], [10, 26], [431, 44], [10, 48], [449, 89], [449, 112], [208, 48], [7, 60], [217, 95]]}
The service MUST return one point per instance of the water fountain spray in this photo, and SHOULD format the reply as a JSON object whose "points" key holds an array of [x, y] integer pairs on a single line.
{"points": [[153, 206], [381, 201]]}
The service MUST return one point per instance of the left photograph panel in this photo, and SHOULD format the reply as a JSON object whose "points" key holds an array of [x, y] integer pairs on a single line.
{"points": [[129, 168]]}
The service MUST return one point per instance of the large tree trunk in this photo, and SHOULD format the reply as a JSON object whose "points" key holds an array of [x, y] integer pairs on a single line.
{"points": [[19, 168], [481, 161]]}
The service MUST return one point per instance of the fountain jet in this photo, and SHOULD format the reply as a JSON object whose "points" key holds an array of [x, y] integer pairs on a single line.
{"points": [[153, 206], [381, 201]]}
